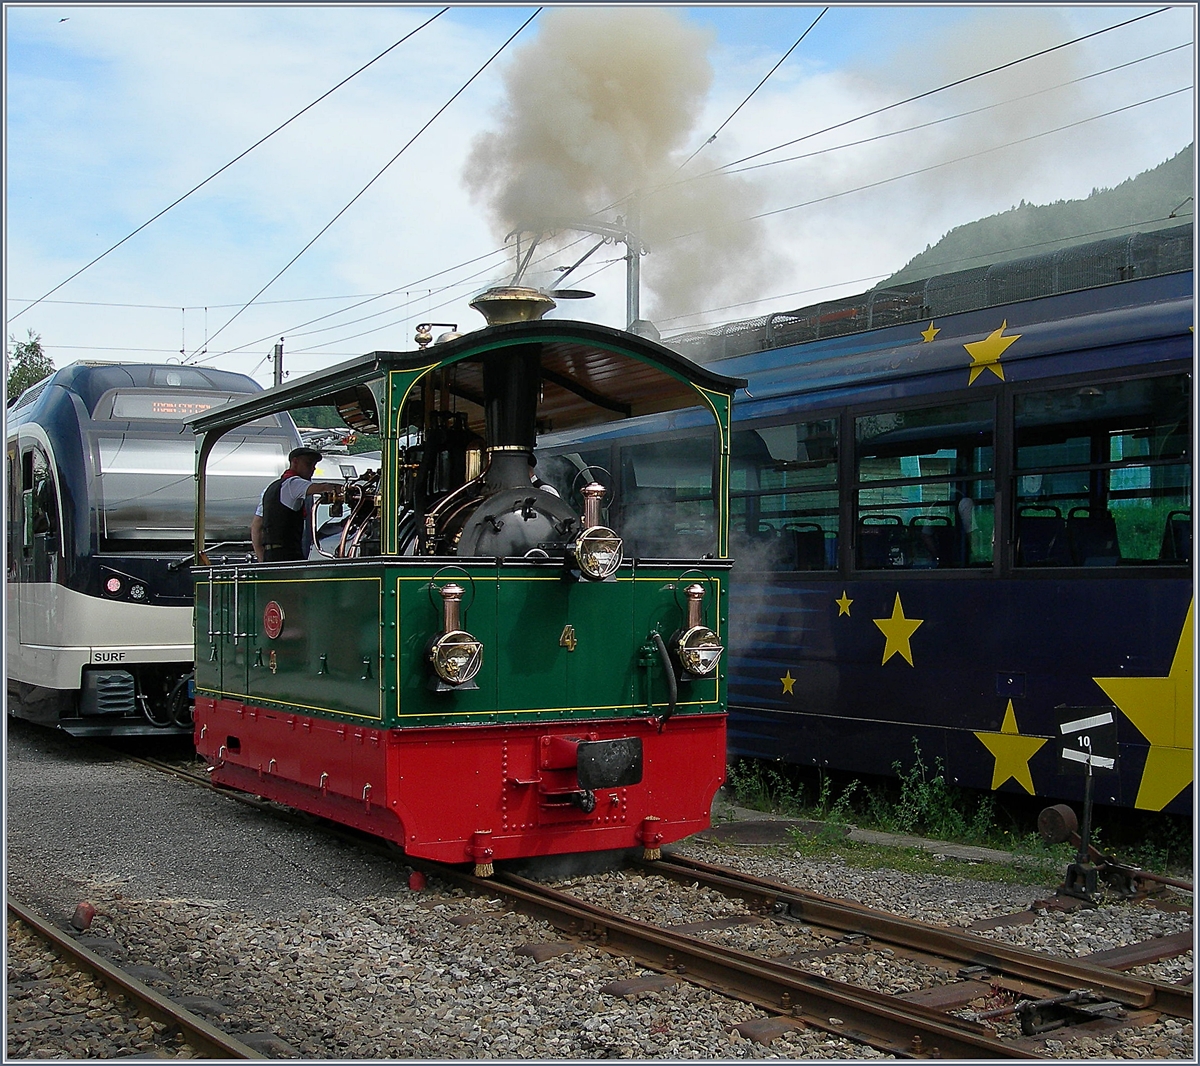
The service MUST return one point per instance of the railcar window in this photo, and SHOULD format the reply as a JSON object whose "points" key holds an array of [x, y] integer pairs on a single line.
{"points": [[14, 515], [147, 486], [784, 500], [925, 493], [666, 500], [1103, 474], [45, 498]]}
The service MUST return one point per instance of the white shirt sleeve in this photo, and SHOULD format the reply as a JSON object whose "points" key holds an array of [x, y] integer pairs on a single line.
{"points": [[258, 511], [291, 492]]}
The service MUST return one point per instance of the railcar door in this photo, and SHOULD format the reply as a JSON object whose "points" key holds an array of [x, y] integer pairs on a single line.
{"points": [[222, 617], [209, 618]]}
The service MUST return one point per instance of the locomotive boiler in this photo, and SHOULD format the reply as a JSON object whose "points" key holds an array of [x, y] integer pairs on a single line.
{"points": [[484, 667]]}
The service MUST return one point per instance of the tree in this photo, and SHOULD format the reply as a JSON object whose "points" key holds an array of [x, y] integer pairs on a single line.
{"points": [[28, 364]]}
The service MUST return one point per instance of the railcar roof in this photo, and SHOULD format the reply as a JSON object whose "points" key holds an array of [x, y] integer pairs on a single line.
{"points": [[590, 374], [1100, 318]]}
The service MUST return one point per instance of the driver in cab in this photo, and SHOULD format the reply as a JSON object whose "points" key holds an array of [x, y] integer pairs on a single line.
{"points": [[277, 529]]}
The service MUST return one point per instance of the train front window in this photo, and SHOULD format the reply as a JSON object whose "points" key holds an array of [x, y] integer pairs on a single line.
{"points": [[1103, 474], [147, 486], [925, 489], [784, 501], [666, 498]]}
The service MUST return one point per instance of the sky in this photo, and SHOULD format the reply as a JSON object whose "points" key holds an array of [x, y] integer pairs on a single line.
{"points": [[591, 121]]}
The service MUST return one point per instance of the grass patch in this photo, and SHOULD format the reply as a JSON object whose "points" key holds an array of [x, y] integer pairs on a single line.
{"points": [[920, 801], [1044, 869]]}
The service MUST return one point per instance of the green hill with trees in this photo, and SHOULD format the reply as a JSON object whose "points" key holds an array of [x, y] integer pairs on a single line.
{"points": [[1153, 200]]}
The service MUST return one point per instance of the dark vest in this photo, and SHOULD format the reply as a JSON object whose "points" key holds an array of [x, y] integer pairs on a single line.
{"points": [[282, 528]]}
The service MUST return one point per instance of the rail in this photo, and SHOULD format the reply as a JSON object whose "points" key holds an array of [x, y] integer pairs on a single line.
{"points": [[968, 948], [903, 1029], [207, 1039]]}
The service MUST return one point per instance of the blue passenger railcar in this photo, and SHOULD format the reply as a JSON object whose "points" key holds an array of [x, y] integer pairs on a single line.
{"points": [[946, 532]]}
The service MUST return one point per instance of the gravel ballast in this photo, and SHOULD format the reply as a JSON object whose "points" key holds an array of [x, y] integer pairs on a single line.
{"points": [[317, 949]]}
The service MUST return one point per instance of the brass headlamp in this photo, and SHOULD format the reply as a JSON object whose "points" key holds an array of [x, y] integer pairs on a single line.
{"points": [[697, 647], [456, 656], [597, 551]]}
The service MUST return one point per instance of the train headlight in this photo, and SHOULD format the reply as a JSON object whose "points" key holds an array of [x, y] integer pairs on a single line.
{"points": [[137, 593], [699, 651], [113, 586], [598, 552], [456, 657]]}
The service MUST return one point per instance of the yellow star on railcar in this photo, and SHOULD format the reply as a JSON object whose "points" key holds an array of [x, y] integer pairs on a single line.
{"points": [[844, 605], [931, 332], [899, 631], [985, 354], [788, 682], [1161, 709], [1012, 752]]}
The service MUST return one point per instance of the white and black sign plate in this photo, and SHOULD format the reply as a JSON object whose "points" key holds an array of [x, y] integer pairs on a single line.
{"points": [[1089, 739]]}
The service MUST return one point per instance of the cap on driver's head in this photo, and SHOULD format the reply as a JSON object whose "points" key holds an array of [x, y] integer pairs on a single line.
{"points": [[304, 453]]}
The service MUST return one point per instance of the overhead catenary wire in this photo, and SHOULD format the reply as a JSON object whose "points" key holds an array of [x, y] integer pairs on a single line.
{"points": [[275, 333], [887, 107], [754, 90], [366, 297], [957, 115], [963, 114], [693, 314], [931, 167], [940, 266], [408, 286], [235, 159], [463, 88], [943, 88]]}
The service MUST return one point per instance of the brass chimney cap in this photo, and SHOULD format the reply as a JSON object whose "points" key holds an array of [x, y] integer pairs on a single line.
{"points": [[512, 303]]}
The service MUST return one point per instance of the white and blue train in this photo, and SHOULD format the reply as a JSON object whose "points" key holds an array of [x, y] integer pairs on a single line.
{"points": [[100, 504]]}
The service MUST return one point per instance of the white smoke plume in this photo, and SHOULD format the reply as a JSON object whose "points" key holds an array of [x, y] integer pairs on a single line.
{"points": [[601, 107]]}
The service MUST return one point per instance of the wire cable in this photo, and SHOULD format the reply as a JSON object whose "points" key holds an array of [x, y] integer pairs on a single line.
{"points": [[753, 91], [261, 140], [943, 88], [933, 166], [960, 114], [408, 286], [380, 174], [991, 257], [878, 111]]}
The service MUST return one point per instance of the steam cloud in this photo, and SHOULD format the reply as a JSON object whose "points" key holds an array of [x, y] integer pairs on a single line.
{"points": [[601, 107]]}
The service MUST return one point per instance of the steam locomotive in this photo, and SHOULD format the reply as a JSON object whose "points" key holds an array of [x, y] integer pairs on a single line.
{"points": [[485, 668]]}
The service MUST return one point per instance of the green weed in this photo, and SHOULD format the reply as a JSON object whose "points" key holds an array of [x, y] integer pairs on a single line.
{"points": [[762, 787]]}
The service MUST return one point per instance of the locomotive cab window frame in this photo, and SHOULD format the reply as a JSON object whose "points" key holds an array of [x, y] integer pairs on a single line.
{"points": [[666, 495]]}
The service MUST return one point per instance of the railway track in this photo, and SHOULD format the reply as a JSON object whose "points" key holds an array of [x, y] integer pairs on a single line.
{"points": [[1024, 993], [206, 1039], [968, 949], [1046, 991]]}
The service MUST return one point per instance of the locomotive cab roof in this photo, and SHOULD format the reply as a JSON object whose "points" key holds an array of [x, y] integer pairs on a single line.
{"points": [[591, 374]]}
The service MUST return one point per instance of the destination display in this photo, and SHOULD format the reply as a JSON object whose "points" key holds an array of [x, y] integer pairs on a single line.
{"points": [[166, 405]]}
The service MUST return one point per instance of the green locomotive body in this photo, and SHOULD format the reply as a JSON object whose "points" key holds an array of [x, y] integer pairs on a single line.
{"points": [[479, 672]]}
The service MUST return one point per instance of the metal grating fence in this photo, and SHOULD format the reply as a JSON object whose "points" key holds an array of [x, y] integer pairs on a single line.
{"points": [[1084, 266]]}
